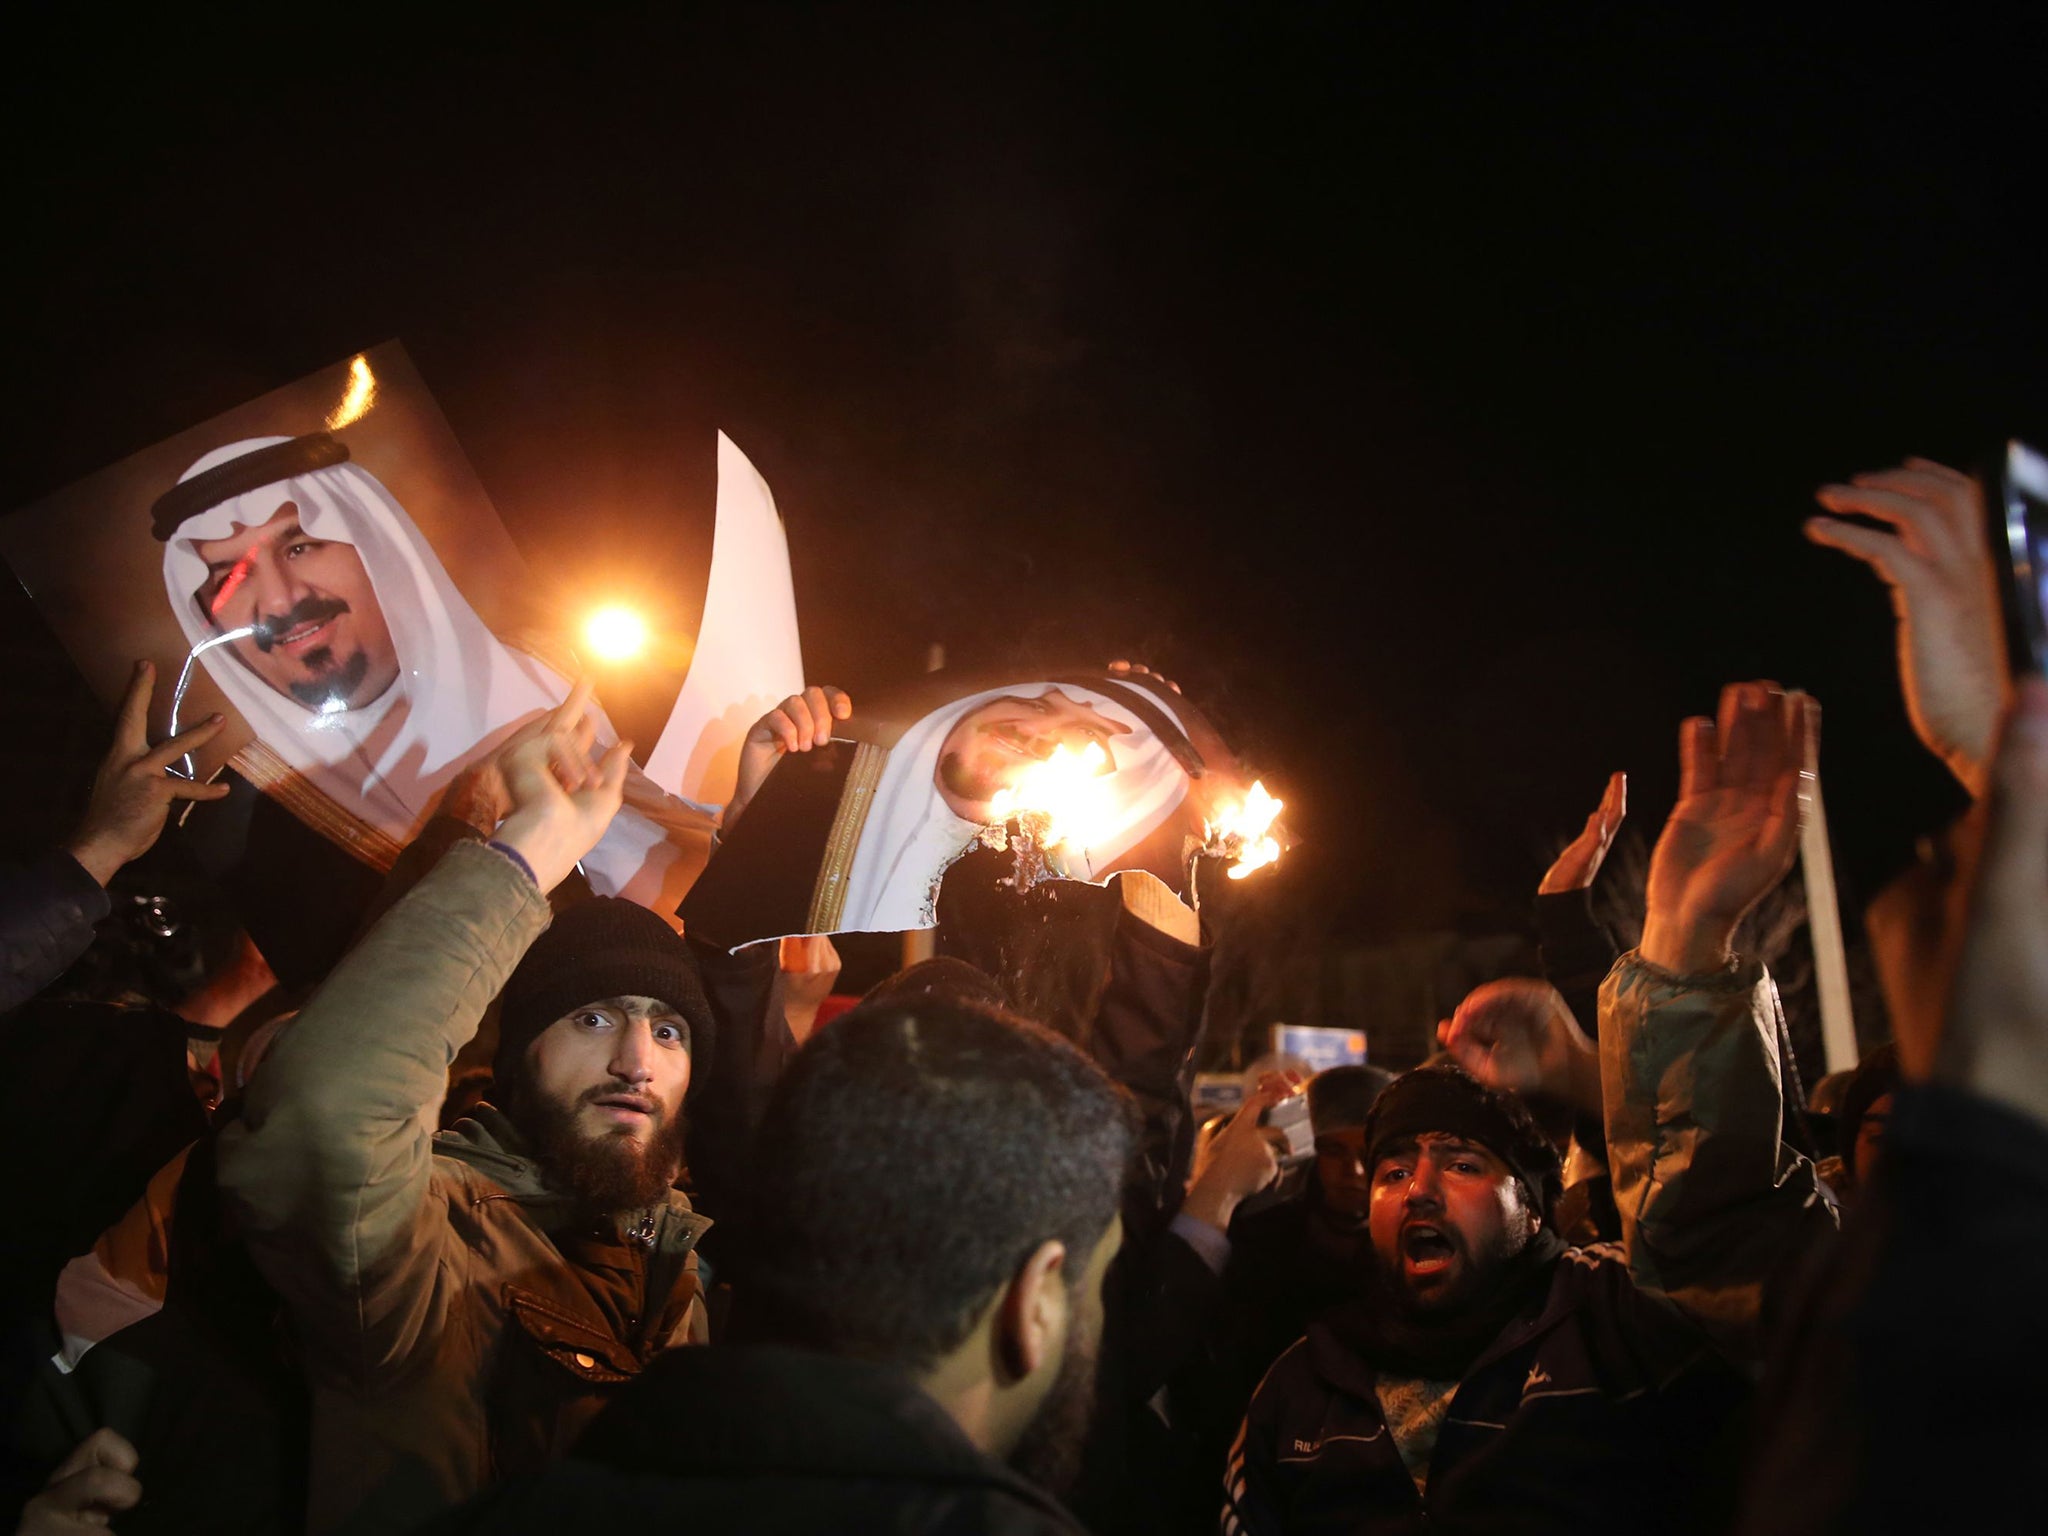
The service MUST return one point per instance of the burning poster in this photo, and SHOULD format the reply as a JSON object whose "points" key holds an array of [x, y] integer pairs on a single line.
{"points": [[1078, 775], [324, 568]]}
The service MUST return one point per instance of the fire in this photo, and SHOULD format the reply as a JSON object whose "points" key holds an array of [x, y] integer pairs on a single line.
{"points": [[1244, 832], [359, 397], [1068, 791]]}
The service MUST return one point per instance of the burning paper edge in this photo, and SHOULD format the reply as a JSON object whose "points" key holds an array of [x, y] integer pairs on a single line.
{"points": [[1244, 832]]}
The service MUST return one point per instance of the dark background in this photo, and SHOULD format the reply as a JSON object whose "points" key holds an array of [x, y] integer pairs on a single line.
{"points": [[1437, 400]]}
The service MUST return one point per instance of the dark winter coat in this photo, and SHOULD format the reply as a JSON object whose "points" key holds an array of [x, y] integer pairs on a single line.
{"points": [[1600, 1409], [772, 1442], [47, 913], [448, 1339]]}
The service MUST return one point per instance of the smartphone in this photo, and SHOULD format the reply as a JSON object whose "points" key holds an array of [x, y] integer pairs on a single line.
{"points": [[2019, 545], [1290, 1118]]}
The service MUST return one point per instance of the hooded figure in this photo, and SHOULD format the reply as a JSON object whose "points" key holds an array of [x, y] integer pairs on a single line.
{"points": [[363, 763], [912, 832]]}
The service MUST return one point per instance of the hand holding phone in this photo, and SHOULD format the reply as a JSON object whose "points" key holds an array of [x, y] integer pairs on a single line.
{"points": [[1924, 528]]}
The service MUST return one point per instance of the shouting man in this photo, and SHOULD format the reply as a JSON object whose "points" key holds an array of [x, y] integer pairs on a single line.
{"points": [[467, 1301], [1489, 1375]]}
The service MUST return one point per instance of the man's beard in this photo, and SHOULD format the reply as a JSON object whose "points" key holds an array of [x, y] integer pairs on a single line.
{"points": [[333, 685], [1439, 1337], [1049, 1451], [606, 1173]]}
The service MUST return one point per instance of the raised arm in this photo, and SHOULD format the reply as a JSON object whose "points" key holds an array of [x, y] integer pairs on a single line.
{"points": [[1712, 1203], [47, 910], [328, 1169], [1934, 553]]}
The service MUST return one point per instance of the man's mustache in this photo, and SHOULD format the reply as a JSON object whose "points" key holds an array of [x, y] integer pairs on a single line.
{"points": [[311, 610]]}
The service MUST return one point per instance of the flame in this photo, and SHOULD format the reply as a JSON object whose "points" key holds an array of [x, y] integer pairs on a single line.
{"points": [[1068, 790], [1244, 832], [358, 398]]}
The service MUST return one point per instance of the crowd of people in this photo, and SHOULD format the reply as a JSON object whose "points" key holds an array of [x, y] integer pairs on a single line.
{"points": [[963, 1260]]}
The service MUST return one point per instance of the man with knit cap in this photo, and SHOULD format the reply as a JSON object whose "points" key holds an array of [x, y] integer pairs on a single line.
{"points": [[466, 1302], [1486, 1376]]}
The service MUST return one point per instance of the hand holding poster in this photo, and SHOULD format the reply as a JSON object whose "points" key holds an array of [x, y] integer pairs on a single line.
{"points": [[385, 640], [857, 836]]}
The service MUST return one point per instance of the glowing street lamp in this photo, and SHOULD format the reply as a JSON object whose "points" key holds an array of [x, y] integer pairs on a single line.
{"points": [[615, 634]]}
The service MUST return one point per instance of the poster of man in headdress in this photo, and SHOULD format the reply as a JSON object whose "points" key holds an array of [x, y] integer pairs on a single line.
{"points": [[326, 564], [856, 837]]}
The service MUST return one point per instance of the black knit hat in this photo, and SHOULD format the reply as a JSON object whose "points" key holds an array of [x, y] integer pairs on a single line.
{"points": [[601, 948], [1449, 1101]]}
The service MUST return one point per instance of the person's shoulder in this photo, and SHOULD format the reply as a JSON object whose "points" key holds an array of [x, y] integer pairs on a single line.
{"points": [[1304, 1367], [1595, 1260], [1594, 1272], [989, 1510], [579, 1494]]}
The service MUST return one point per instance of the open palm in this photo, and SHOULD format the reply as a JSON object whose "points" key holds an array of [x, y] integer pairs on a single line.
{"points": [[1734, 832]]}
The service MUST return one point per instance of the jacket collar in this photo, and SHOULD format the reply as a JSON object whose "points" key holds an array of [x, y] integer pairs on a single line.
{"points": [[769, 1411], [488, 1142]]}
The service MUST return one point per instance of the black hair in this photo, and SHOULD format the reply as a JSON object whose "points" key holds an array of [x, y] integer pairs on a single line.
{"points": [[1342, 1096], [915, 1154], [944, 977]]}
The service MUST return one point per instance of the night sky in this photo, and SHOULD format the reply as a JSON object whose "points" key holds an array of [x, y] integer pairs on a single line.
{"points": [[1437, 401]]}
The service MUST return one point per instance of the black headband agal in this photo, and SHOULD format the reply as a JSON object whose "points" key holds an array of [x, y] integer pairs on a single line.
{"points": [[225, 481]]}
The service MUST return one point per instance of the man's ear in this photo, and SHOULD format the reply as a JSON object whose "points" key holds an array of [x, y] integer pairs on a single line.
{"points": [[1031, 1318]]}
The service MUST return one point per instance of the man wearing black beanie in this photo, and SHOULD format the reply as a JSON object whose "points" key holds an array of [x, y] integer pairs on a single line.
{"points": [[597, 1030], [465, 1303], [1486, 1376]]}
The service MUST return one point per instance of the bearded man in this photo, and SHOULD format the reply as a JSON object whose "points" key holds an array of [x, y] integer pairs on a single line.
{"points": [[467, 1301], [934, 1209], [1488, 1377]]}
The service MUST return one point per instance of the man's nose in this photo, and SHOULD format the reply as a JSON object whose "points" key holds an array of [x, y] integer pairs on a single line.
{"points": [[633, 1053], [1424, 1191], [273, 589]]}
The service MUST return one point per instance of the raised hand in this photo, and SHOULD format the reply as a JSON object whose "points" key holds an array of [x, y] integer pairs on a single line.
{"points": [[1936, 559], [132, 793], [1576, 867], [1995, 1041], [1242, 1160], [800, 722], [1518, 1035], [562, 799], [1735, 829]]}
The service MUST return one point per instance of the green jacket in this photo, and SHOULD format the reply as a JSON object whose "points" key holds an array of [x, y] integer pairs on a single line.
{"points": [[1715, 1208], [447, 1340]]}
